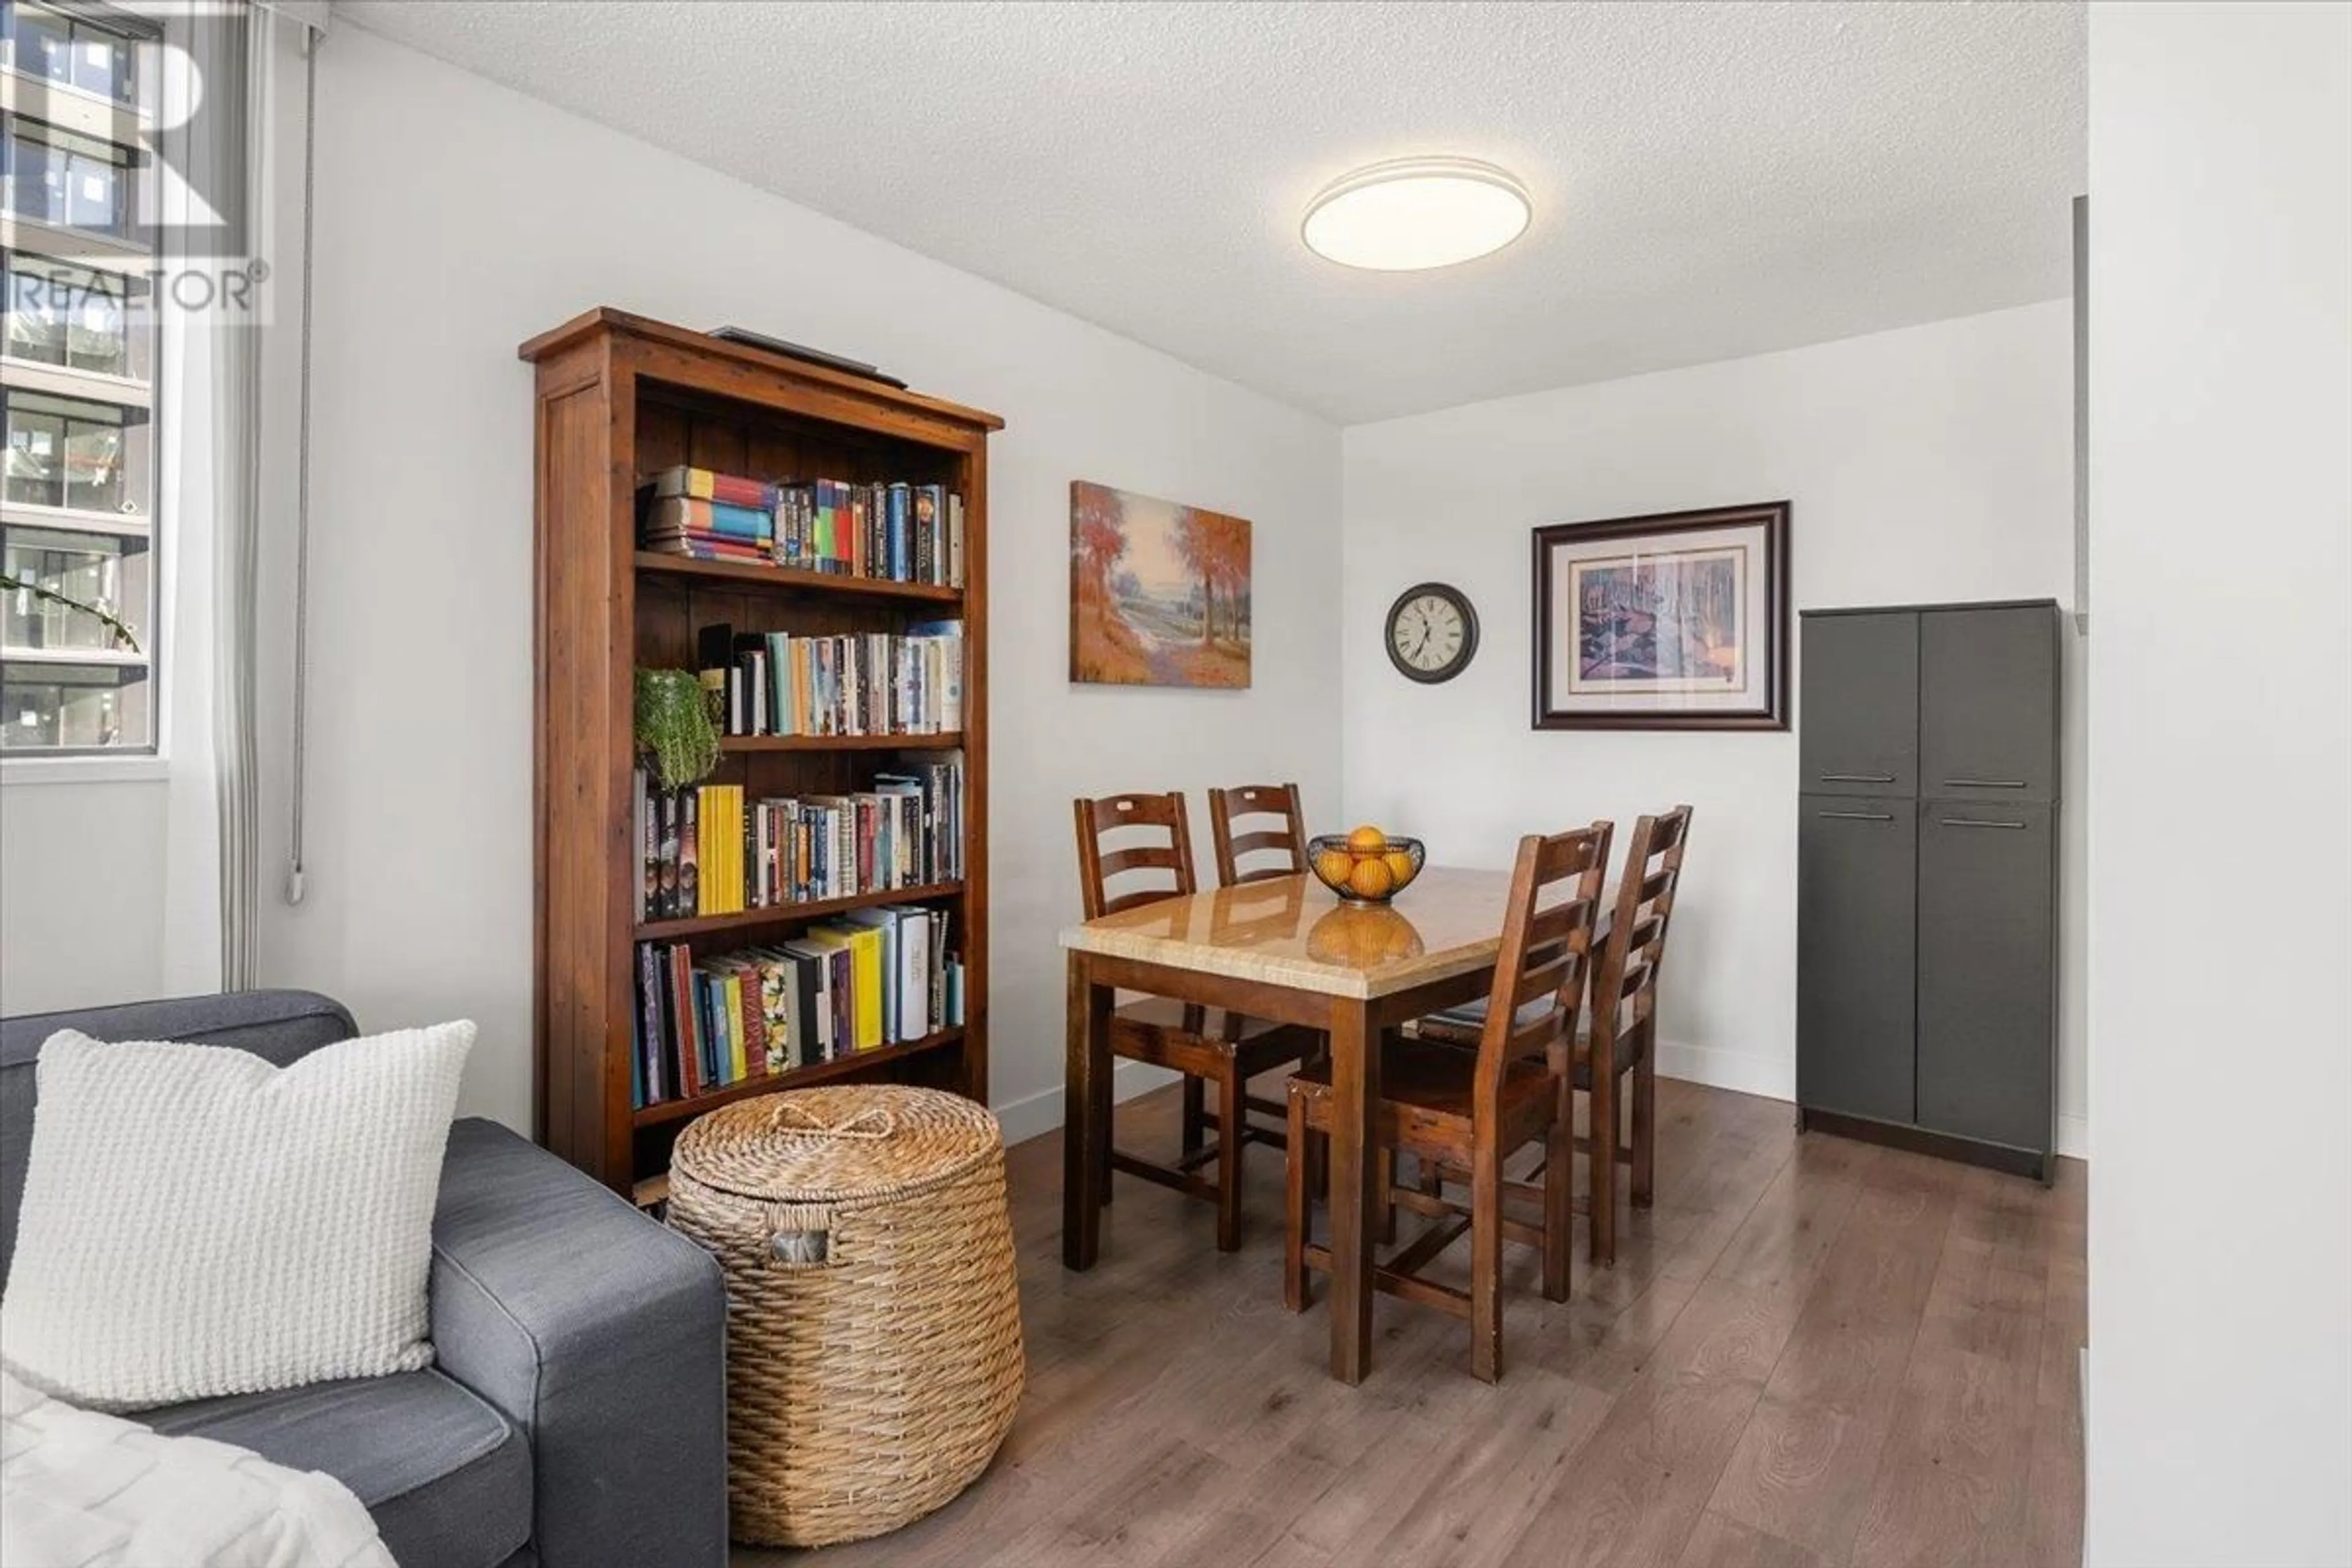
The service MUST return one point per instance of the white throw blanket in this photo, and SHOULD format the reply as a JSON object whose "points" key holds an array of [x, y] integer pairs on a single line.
{"points": [[78, 1489]]}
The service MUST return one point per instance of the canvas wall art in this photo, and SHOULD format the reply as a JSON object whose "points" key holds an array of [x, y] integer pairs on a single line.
{"points": [[1160, 593], [1678, 621]]}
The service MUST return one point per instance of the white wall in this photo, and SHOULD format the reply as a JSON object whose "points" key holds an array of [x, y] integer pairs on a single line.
{"points": [[81, 864], [455, 219], [1930, 464], [2221, 1200]]}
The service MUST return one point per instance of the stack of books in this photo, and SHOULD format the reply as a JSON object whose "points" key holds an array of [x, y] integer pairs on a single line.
{"points": [[864, 683], [707, 516], [873, 978], [708, 851]]}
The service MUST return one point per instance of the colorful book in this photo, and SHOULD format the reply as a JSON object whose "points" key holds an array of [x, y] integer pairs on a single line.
{"points": [[717, 521], [703, 484]]}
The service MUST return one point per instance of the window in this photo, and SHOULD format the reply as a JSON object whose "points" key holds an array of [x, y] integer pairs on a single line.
{"points": [[77, 368], [72, 51], [65, 315]]}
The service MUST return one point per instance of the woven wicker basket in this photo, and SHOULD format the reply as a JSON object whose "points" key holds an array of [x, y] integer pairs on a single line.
{"points": [[873, 1310]]}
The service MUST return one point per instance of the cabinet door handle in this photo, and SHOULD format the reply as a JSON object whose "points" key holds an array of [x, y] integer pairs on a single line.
{"points": [[1975, 822], [1859, 778], [1863, 816], [1984, 784]]}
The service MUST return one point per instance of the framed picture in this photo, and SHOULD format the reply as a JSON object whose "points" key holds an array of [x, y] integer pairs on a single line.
{"points": [[1160, 593], [1678, 621]]}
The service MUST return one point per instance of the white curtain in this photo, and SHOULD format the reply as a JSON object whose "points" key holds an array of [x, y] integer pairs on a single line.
{"points": [[229, 63]]}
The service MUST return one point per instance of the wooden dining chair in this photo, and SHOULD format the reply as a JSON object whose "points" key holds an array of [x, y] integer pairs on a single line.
{"points": [[1623, 1013], [1285, 845], [1281, 845], [1470, 1110], [1213, 1048]]}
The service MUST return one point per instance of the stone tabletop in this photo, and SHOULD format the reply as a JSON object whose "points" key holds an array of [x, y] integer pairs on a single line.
{"points": [[1292, 931]]}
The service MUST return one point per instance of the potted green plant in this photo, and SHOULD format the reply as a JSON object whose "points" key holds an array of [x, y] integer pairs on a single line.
{"points": [[673, 724]]}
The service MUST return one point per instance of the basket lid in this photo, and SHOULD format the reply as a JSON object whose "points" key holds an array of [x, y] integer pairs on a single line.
{"points": [[842, 1143]]}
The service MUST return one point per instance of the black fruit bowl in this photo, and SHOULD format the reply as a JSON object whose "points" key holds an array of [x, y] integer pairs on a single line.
{"points": [[1326, 852]]}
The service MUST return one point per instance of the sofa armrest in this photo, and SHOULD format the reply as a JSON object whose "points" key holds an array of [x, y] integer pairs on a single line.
{"points": [[599, 1334]]}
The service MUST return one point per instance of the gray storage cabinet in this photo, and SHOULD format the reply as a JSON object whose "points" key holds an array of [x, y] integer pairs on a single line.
{"points": [[1928, 878]]}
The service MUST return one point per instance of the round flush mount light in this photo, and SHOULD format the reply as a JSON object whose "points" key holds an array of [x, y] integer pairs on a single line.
{"points": [[1411, 213]]}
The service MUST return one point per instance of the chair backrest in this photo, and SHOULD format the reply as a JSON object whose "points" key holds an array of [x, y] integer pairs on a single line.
{"points": [[1547, 954], [1098, 866], [1626, 983], [1288, 841]]}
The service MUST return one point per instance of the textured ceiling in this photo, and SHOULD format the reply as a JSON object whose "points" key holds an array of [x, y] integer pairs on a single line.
{"points": [[1710, 180]]}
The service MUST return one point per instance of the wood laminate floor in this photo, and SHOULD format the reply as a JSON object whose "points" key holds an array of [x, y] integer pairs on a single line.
{"points": [[1812, 1353]]}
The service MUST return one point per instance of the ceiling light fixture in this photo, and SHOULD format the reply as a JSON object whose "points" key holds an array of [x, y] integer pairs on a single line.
{"points": [[1411, 214]]}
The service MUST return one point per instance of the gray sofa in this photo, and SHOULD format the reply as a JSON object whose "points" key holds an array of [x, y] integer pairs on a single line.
{"points": [[575, 1414]]}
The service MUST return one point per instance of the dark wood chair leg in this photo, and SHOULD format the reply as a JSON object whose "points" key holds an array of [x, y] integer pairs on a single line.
{"points": [[1645, 1119], [1385, 1213], [1110, 1141], [1195, 1114], [1486, 1266], [1230, 1144], [1293, 1228], [1559, 1205], [1601, 1161]]}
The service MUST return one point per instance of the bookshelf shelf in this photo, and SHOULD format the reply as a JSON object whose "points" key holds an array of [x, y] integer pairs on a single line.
{"points": [[783, 914], [620, 398], [942, 742], [738, 574], [799, 1078]]}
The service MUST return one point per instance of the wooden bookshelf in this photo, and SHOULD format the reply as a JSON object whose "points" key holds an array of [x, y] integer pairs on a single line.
{"points": [[619, 397]]}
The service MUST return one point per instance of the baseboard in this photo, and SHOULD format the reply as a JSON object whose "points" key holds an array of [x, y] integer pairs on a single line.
{"points": [[1749, 1074], [1031, 1114], [2075, 1137], [1739, 1071], [1735, 1070]]}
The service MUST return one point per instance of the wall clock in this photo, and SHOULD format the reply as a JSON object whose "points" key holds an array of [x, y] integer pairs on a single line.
{"points": [[1432, 633]]}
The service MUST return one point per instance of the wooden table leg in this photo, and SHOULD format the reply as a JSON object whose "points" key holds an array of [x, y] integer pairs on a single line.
{"points": [[1085, 1128], [1355, 1095]]}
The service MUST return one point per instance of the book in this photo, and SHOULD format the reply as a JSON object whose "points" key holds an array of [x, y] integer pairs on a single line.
{"points": [[885, 924], [865, 947], [703, 484], [812, 999], [645, 845], [688, 517], [916, 1016]]}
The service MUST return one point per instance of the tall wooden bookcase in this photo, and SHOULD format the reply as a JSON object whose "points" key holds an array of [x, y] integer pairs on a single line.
{"points": [[620, 397]]}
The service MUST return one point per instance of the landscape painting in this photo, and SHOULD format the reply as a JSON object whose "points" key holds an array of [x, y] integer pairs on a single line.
{"points": [[1160, 593], [1661, 623]]}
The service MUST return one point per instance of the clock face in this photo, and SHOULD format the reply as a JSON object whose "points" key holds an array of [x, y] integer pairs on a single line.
{"points": [[1433, 631]]}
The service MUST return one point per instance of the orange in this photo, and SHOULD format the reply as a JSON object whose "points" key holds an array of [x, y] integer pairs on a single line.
{"points": [[1368, 840], [1333, 865], [1400, 867], [1370, 878]]}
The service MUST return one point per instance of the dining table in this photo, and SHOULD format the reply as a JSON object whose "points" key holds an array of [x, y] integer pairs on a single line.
{"points": [[1288, 951]]}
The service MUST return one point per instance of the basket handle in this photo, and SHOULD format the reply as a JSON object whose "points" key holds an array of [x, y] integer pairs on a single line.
{"points": [[874, 1123]]}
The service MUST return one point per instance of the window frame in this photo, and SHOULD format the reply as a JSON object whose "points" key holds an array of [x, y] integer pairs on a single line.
{"points": [[136, 255]]}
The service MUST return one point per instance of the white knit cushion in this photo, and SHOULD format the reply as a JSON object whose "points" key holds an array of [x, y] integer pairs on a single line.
{"points": [[198, 1222]]}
